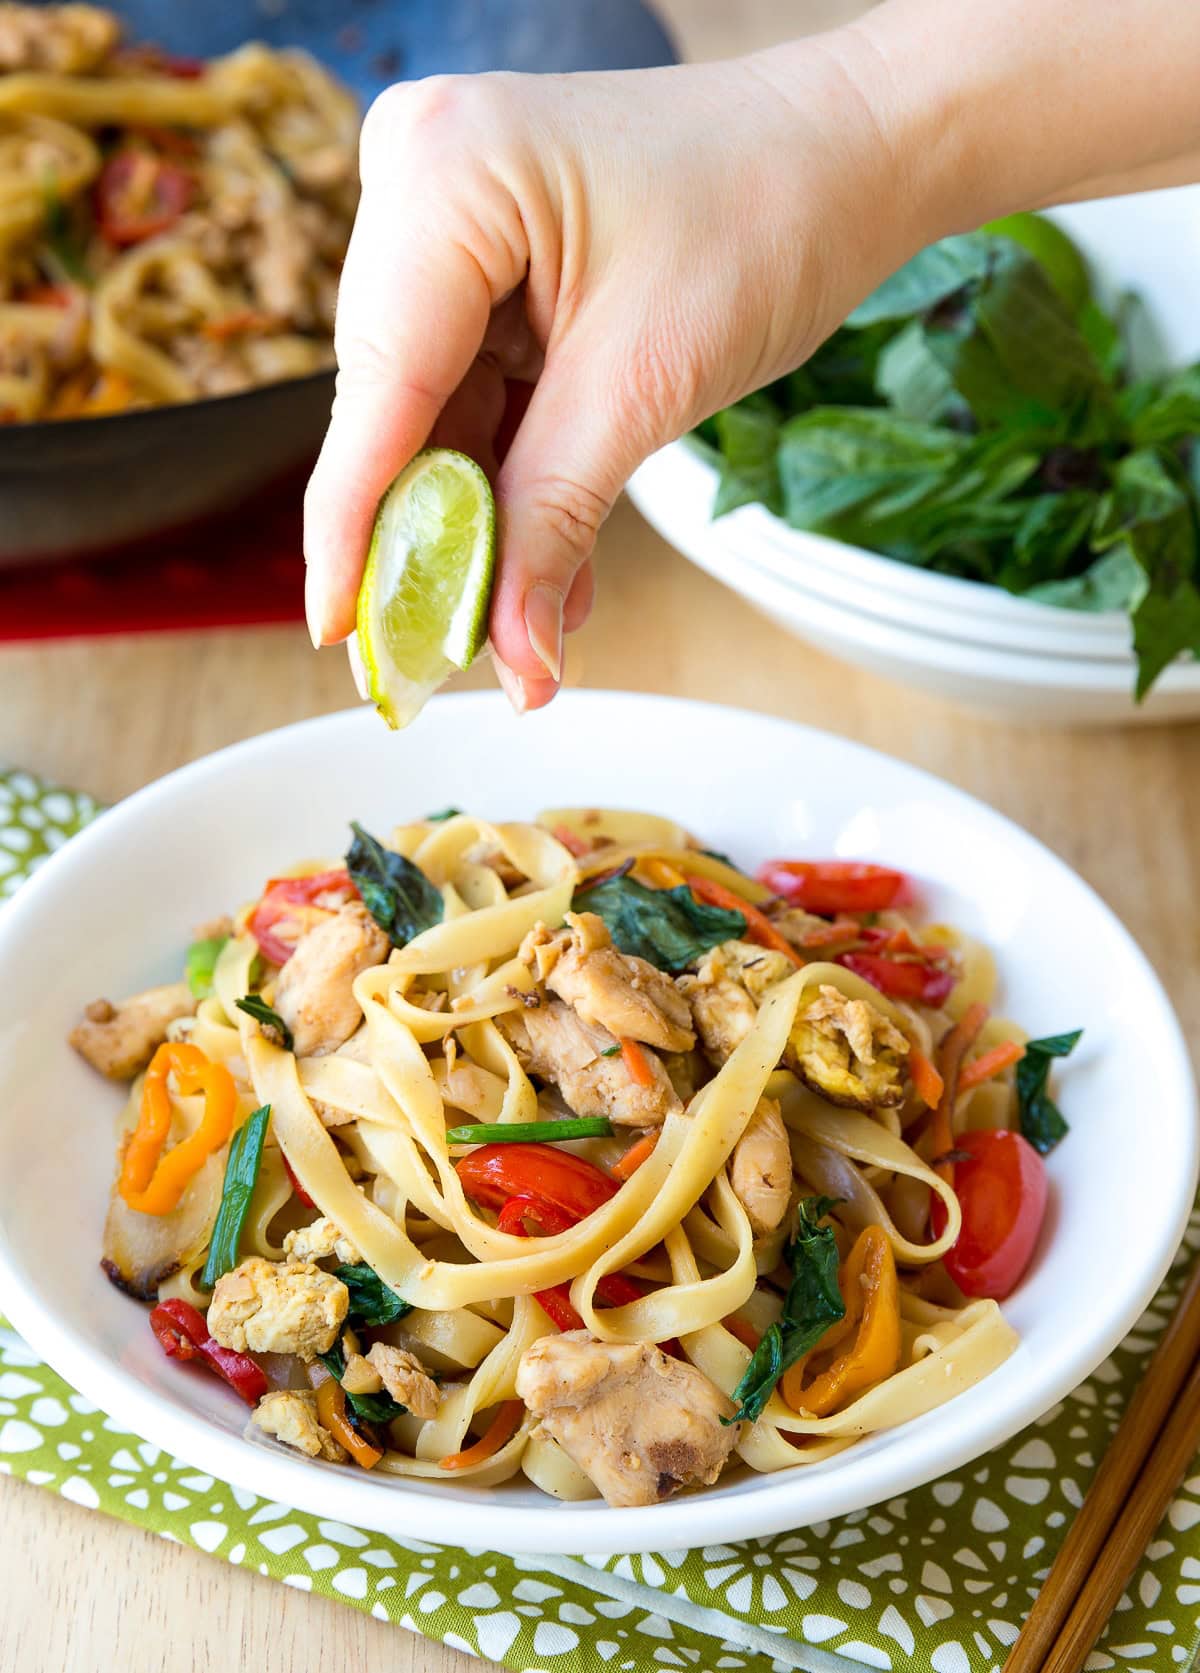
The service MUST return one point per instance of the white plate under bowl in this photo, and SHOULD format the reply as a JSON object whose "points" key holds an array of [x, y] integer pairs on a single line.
{"points": [[113, 911]]}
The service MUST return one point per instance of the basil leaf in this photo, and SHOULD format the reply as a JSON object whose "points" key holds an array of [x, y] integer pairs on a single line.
{"points": [[241, 1176], [669, 928], [201, 961], [813, 1303], [1042, 1122], [372, 1302], [839, 459], [913, 379], [396, 893], [1173, 413], [368, 1408], [1113, 582], [748, 436], [446, 813], [1150, 515], [271, 1023], [933, 275]]}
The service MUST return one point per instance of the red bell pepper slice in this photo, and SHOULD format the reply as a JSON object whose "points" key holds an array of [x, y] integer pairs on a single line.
{"points": [[297, 903], [1001, 1184], [831, 886], [301, 1195], [183, 1334], [909, 977], [139, 195], [495, 1172]]}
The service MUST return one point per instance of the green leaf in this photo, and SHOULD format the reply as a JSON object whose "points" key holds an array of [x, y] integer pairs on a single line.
{"points": [[533, 1132], [396, 893], [839, 459], [367, 1408], [65, 240], [372, 1302], [201, 961], [1049, 539], [446, 813], [1104, 338], [812, 1304], [1113, 582], [271, 1023], [1042, 1122], [748, 435], [913, 379], [1172, 414], [241, 1176], [1150, 514], [930, 277], [669, 928]]}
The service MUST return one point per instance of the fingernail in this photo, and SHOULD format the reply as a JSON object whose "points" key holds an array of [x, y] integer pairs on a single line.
{"points": [[312, 614], [512, 685], [356, 666], [544, 625]]}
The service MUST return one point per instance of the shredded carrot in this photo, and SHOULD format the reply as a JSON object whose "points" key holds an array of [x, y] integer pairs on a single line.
{"points": [[113, 392], [990, 1063], [243, 322], [634, 1157], [636, 1061], [925, 1078], [759, 927], [744, 1331], [954, 1047], [571, 841], [499, 1432]]}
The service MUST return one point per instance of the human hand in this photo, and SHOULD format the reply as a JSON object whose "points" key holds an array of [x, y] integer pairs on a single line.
{"points": [[648, 246]]}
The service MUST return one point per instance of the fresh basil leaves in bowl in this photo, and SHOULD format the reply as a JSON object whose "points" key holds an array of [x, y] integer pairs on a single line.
{"points": [[992, 432]]}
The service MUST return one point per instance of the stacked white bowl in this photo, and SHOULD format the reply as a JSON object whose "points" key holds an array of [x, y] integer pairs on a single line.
{"points": [[972, 643]]}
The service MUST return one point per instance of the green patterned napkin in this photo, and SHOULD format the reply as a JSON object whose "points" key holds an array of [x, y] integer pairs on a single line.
{"points": [[938, 1579]]}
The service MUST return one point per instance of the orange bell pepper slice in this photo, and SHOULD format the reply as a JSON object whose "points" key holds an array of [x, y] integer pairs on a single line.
{"points": [[331, 1415], [153, 1183], [871, 1293]]}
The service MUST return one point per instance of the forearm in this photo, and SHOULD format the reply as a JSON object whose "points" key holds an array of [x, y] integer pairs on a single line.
{"points": [[1015, 104]]}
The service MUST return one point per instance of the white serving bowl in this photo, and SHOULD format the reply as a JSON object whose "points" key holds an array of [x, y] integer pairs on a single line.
{"points": [[112, 911], [1148, 243]]}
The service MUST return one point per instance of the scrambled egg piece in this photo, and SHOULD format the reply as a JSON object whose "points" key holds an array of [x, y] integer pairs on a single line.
{"points": [[324, 1238], [314, 993], [848, 1052], [725, 992], [640, 1424], [120, 1040], [262, 1307], [291, 1416]]}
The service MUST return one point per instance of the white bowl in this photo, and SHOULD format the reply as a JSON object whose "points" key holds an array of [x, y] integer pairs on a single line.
{"points": [[1045, 689], [112, 911]]}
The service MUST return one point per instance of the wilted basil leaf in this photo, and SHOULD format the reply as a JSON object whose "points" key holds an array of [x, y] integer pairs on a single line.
{"points": [[1042, 1122], [396, 893], [272, 1024], [669, 928], [372, 1302]]}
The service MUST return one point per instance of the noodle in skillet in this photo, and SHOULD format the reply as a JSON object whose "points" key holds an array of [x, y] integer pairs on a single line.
{"points": [[732, 1232]]}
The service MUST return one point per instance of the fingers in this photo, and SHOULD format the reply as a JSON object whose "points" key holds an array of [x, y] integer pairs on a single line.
{"points": [[565, 468], [413, 308]]}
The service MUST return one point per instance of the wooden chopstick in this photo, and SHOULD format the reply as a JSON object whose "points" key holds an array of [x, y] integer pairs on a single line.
{"points": [[1106, 1538]]}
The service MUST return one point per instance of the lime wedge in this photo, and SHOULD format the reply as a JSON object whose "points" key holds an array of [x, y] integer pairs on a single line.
{"points": [[423, 602], [1053, 250]]}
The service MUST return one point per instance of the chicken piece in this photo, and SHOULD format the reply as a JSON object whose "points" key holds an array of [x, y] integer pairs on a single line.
{"points": [[760, 1169], [262, 1307], [848, 1051], [315, 991], [319, 1241], [608, 988], [639, 1423], [120, 1040], [66, 39], [725, 991], [291, 1416], [405, 1378], [553, 1042]]}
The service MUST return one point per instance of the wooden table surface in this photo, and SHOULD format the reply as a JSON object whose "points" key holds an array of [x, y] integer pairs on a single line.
{"points": [[83, 1594]]}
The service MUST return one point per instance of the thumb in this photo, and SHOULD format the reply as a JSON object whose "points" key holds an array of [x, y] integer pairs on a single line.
{"points": [[568, 462]]}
